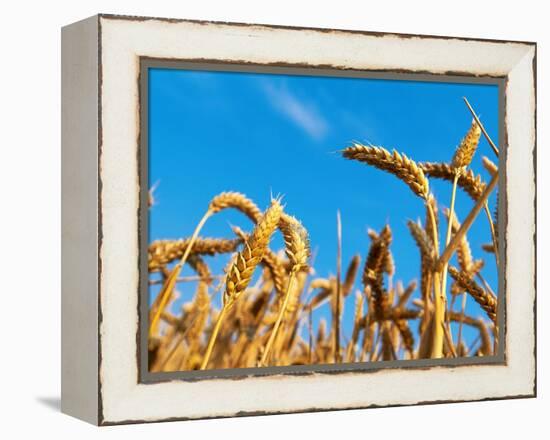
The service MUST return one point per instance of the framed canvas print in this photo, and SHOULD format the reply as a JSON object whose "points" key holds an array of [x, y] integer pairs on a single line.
{"points": [[262, 219]]}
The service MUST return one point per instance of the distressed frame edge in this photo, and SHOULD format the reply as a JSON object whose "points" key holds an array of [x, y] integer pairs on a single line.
{"points": [[102, 421], [129, 17]]}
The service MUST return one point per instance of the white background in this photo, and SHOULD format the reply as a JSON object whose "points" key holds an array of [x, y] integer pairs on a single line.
{"points": [[30, 216]]}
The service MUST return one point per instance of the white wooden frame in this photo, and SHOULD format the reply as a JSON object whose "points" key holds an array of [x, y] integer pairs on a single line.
{"points": [[101, 194]]}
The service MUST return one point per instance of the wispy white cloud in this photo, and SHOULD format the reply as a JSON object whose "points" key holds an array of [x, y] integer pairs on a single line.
{"points": [[304, 114]]}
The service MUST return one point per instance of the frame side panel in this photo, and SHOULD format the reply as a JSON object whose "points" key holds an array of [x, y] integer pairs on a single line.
{"points": [[79, 213]]}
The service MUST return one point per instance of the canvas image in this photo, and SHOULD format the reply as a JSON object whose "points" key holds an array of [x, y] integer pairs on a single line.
{"points": [[306, 219]]}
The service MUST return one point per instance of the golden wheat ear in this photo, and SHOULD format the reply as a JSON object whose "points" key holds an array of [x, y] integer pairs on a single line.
{"points": [[164, 252], [482, 128], [236, 201], [373, 270], [241, 271], [297, 250], [470, 183], [394, 163], [465, 152], [423, 242], [489, 165], [271, 261], [485, 299], [254, 248]]}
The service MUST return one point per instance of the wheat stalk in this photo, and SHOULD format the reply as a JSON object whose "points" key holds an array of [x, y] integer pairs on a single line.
{"points": [[476, 118], [488, 247], [446, 255], [388, 265], [297, 250], [487, 301], [351, 274], [436, 323], [337, 309], [467, 265], [406, 294], [395, 163], [427, 258], [163, 252], [272, 262], [431, 226], [489, 165], [220, 202], [470, 183], [350, 356], [199, 311], [424, 243], [461, 160], [201, 303], [406, 334], [465, 151], [467, 181], [413, 175], [374, 269], [236, 201], [462, 312], [463, 251], [480, 325], [276, 271], [326, 290], [240, 272]]}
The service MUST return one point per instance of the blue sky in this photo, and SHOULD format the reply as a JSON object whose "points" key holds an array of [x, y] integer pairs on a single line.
{"points": [[263, 134]]}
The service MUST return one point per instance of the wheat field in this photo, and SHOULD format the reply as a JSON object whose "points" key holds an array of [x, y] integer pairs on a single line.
{"points": [[260, 311]]}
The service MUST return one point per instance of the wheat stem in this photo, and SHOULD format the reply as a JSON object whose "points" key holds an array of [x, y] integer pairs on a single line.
{"points": [[310, 334], [338, 289], [168, 287], [280, 316], [447, 253], [461, 319], [214, 336], [189, 279], [448, 236], [491, 143], [439, 313], [493, 232]]}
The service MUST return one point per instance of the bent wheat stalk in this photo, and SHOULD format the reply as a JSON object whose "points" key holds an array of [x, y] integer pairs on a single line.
{"points": [[461, 160], [447, 253], [297, 250], [413, 175], [163, 252], [486, 300], [218, 203], [395, 163], [471, 184], [240, 272]]}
